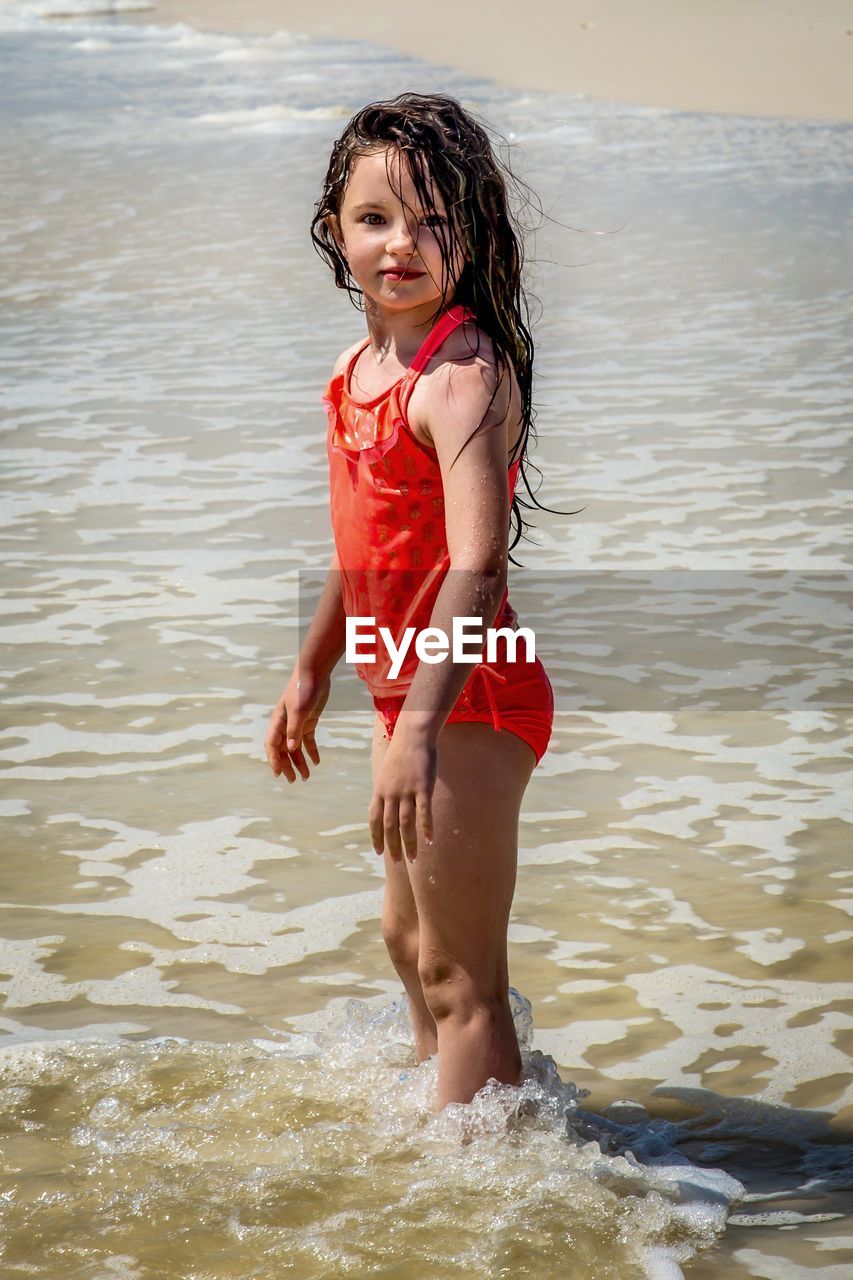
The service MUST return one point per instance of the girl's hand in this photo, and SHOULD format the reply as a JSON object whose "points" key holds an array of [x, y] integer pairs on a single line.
{"points": [[402, 795], [292, 725]]}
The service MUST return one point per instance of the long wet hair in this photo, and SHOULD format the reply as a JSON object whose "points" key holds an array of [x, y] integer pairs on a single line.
{"points": [[445, 149]]}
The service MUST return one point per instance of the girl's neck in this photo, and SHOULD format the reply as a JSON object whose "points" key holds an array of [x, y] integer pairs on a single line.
{"points": [[399, 335]]}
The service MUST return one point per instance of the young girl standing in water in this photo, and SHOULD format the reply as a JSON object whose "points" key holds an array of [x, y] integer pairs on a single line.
{"points": [[429, 418]]}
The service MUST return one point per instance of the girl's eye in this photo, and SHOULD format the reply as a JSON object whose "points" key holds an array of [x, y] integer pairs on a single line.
{"points": [[431, 217]]}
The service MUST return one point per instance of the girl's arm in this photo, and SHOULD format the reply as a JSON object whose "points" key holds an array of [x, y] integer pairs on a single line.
{"points": [[476, 512], [294, 719], [325, 642], [477, 508]]}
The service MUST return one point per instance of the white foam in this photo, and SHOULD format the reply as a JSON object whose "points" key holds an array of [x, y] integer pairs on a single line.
{"points": [[82, 8]]}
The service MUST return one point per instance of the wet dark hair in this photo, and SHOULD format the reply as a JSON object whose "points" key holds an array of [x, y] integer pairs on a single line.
{"points": [[444, 145]]}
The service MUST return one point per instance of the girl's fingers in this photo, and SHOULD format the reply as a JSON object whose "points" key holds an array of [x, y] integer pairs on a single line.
{"points": [[375, 815], [272, 746], [424, 809], [391, 829], [278, 758], [293, 737], [291, 733], [394, 823], [283, 764], [297, 758], [408, 828]]}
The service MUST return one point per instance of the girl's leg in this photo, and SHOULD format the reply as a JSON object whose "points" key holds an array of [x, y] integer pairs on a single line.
{"points": [[462, 887], [400, 931]]}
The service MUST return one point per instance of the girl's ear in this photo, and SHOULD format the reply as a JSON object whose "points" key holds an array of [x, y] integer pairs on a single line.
{"points": [[335, 227]]}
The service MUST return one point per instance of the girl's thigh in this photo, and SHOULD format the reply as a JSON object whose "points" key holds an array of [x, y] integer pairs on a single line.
{"points": [[462, 885]]}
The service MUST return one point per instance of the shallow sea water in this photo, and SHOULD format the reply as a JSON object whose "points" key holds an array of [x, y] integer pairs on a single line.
{"points": [[206, 1065]]}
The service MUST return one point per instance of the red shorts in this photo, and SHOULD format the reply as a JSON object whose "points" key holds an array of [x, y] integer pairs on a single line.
{"points": [[516, 696]]}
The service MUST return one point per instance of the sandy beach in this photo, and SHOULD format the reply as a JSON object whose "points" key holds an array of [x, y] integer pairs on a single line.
{"points": [[747, 57]]}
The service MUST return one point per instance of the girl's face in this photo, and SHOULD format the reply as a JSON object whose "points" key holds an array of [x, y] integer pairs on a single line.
{"points": [[392, 246]]}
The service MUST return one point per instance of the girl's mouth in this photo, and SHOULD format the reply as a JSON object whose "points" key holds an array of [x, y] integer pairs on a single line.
{"points": [[400, 274]]}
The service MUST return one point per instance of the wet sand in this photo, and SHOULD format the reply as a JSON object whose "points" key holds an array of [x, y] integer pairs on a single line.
{"points": [[748, 57]]}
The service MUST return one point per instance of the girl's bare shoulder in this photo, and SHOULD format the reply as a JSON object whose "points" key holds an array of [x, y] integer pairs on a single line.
{"points": [[467, 344], [345, 357], [467, 347], [465, 362]]}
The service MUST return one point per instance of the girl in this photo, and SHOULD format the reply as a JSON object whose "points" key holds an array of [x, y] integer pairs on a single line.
{"points": [[429, 418]]}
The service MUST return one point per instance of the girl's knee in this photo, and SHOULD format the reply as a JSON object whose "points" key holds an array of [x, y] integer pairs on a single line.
{"points": [[401, 940], [450, 991]]}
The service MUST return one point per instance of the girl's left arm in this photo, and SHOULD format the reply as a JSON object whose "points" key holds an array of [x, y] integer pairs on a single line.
{"points": [[474, 471]]}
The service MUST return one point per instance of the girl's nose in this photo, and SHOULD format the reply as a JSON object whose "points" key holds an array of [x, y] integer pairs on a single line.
{"points": [[400, 238]]}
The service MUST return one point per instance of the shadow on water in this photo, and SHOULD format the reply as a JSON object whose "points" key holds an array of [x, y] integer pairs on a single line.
{"points": [[790, 1162]]}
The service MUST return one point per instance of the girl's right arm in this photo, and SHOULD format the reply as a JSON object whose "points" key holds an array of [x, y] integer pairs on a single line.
{"points": [[294, 721], [295, 717]]}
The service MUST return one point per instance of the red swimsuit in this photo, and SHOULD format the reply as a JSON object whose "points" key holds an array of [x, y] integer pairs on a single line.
{"points": [[387, 507]]}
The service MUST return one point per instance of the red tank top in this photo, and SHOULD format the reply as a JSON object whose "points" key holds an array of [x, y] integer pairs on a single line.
{"points": [[387, 508]]}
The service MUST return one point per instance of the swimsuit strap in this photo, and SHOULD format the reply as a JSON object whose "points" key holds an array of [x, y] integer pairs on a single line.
{"points": [[436, 336], [438, 333], [350, 365]]}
